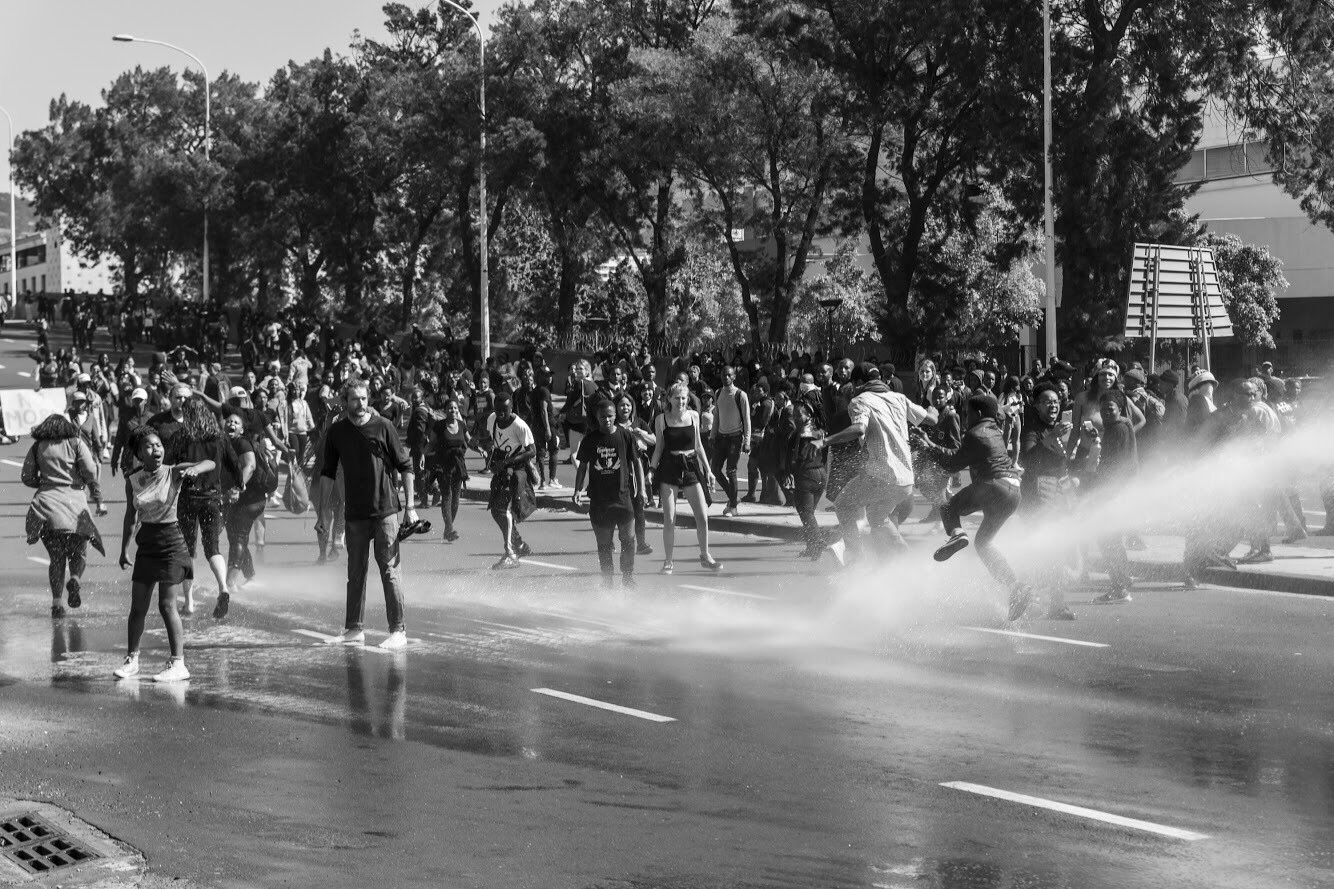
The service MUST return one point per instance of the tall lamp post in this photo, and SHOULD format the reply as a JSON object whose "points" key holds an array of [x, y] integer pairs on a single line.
{"points": [[13, 225], [830, 305], [208, 128], [484, 324], [1050, 313]]}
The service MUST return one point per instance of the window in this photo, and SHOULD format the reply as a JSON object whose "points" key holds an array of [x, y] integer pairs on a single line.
{"points": [[1226, 162], [43, 284]]}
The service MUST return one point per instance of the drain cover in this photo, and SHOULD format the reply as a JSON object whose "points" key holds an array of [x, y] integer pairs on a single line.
{"points": [[38, 846]]}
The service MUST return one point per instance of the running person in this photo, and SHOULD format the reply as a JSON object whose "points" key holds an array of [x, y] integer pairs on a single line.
{"points": [[161, 558]]}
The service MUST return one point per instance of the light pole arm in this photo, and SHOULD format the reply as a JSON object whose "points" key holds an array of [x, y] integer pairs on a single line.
{"points": [[208, 135]]}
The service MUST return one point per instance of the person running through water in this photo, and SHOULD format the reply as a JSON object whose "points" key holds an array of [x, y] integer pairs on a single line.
{"points": [[161, 559], [60, 466], [994, 491]]}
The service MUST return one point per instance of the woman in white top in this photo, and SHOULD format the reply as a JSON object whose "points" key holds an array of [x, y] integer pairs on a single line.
{"points": [[680, 464], [161, 558]]}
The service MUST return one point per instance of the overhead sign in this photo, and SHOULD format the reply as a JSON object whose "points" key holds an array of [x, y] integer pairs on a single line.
{"points": [[1175, 294], [24, 408]]}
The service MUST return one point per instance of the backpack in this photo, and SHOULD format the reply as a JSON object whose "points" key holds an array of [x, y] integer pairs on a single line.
{"points": [[265, 478]]}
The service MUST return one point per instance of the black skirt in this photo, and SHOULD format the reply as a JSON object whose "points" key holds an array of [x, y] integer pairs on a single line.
{"points": [[161, 556], [681, 470]]}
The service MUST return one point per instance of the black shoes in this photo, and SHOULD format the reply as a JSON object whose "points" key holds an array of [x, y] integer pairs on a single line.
{"points": [[1060, 613], [220, 609], [643, 550], [958, 540], [72, 590], [1115, 597], [421, 526], [523, 549]]}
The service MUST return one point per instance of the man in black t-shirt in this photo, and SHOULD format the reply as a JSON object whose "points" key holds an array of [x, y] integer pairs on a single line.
{"points": [[608, 459], [374, 461]]}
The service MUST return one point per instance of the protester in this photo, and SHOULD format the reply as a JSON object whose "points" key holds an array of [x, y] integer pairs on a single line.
{"points": [[680, 465], [608, 458], [512, 478], [199, 509], [447, 464]]}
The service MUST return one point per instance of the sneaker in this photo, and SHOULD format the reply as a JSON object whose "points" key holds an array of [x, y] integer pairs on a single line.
{"points": [[349, 637], [1295, 538], [643, 550], [666, 568], [451, 535], [397, 640], [334, 553], [711, 563], [129, 668], [749, 498], [175, 671], [57, 610], [1060, 613], [958, 540], [1020, 597], [628, 581], [1256, 558], [506, 562], [72, 589], [541, 487], [729, 511], [1115, 597], [220, 609], [554, 484], [523, 550]]}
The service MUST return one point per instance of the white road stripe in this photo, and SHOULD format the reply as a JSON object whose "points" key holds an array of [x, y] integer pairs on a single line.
{"points": [[714, 589], [24, 373], [491, 623], [2, 367], [1036, 636], [615, 708], [8, 340], [1079, 811], [524, 560], [12, 463], [323, 637], [39, 560]]}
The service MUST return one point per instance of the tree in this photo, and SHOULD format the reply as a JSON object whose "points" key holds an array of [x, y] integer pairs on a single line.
{"points": [[857, 317], [1251, 278]]}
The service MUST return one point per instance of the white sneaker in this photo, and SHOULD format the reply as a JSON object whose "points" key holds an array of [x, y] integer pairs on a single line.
{"points": [[175, 671], [397, 640], [349, 637], [554, 484], [129, 668]]}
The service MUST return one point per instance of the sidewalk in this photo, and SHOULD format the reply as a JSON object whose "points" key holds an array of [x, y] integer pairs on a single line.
{"points": [[1306, 568]]}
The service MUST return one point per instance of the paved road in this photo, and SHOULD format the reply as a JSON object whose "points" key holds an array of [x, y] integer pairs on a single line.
{"points": [[827, 729]]}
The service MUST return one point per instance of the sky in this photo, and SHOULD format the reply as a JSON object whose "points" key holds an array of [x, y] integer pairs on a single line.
{"points": [[65, 46]]}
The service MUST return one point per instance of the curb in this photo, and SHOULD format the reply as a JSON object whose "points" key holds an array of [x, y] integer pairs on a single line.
{"points": [[1160, 572]]}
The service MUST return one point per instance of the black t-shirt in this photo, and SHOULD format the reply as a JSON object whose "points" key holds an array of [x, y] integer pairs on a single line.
{"points": [[187, 450], [609, 456], [237, 448], [166, 425], [371, 455]]}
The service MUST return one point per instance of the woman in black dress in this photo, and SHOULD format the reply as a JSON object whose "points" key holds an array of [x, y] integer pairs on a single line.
{"points": [[161, 558]]}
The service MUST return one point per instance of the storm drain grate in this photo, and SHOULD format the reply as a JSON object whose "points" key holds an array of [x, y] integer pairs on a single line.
{"points": [[38, 846]]}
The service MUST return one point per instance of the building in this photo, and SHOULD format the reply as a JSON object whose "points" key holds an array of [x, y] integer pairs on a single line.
{"points": [[46, 265], [1237, 195]]}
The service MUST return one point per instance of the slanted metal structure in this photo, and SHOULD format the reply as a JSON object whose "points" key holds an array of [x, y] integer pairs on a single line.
{"points": [[1175, 294]]}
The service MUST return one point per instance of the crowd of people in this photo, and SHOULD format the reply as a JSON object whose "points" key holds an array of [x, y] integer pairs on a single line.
{"points": [[368, 430]]}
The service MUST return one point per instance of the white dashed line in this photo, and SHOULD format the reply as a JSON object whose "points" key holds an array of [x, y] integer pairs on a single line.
{"points": [[24, 373], [1078, 811], [491, 623], [722, 592], [603, 705], [12, 463], [1035, 636], [323, 637], [39, 560], [523, 560]]}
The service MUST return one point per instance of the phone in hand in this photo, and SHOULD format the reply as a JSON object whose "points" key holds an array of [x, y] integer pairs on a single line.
{"points": [[1067, 417]]}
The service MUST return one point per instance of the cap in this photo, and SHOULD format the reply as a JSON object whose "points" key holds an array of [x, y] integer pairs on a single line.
{"points": [[1268, 364], [78, 398], [1136, 376], [140, 394], [238, 392], [1170, 376], [84, 378], [1200, 379]]}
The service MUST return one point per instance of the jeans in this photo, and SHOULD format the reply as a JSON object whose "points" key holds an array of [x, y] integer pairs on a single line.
{"points": [[878, 499], [623, 529], [997, 500], [805, 502], [540, 450], [241, 518], [451, 486], [383, 533], [726, 456]]}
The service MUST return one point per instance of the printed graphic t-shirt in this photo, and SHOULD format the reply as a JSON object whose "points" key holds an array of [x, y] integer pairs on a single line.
{"points": [[609, 456]]}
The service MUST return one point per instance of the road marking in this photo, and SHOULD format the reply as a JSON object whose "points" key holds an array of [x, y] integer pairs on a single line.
{"points": [[1079, 811], [615, 708], [1036, 636], [491, 623], [39, 560], [12, 463], [323, 637], [2, 367], [524, 560], [24, 373], [714, 589], [8, 340]]}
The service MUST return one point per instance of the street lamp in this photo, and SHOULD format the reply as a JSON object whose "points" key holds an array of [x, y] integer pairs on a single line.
{"points": [[484, 323], [831, 305], [1049, 226], [13, 225], [208, 129]]}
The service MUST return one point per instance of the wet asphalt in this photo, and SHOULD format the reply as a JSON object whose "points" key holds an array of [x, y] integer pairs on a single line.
{"points": [[816, 717]]}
